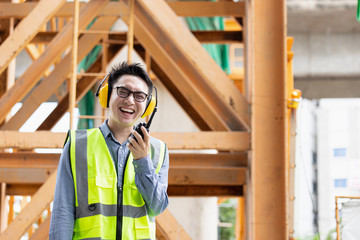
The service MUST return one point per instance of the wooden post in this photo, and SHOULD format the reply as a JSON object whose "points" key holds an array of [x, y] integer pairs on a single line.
{"points": [[267, 192], [3, 204], [72, 88], [130, 35]]}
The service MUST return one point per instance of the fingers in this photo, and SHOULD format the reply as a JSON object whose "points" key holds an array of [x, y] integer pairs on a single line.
{"points": [[139, 146]]}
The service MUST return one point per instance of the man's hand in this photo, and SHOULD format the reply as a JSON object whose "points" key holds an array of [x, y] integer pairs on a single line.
{"points": [[139, 148]]}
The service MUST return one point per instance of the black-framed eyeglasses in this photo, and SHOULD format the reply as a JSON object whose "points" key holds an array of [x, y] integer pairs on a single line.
{"points": [[124, 92]]}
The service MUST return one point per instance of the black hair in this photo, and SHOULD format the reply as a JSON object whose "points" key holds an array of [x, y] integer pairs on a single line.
{"points": [[126, 68]]}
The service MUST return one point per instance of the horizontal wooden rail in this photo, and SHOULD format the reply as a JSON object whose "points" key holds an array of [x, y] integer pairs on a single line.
{"points": [[222, 141], [219, 37], [185, 9]]}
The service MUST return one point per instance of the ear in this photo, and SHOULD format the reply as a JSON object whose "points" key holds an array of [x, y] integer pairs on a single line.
{"points": [[149, 107]]}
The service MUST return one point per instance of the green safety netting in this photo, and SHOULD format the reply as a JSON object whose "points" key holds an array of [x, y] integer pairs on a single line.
{"points": [[358, 11], [219, 52]]}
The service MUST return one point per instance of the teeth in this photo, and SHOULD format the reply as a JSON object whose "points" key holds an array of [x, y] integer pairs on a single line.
{"points": [[127, 110]]}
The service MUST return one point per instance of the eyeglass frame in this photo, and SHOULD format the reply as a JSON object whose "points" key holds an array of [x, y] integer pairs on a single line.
{"points": [[130, 92]]}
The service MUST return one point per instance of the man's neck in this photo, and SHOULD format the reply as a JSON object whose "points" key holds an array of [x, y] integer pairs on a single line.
{"points": [[121, 133]]}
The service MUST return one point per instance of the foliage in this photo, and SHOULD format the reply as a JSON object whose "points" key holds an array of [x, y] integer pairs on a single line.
{"points": [[227, 214]]}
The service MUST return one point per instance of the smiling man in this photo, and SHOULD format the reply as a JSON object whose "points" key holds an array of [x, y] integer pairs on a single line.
{"points": [[111, 182]]}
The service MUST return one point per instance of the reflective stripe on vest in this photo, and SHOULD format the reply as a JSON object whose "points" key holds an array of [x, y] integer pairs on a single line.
{"points": [[95, 182]]}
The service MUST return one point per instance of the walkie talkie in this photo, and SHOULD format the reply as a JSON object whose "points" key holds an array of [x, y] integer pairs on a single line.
{"points": [[146, 125]]}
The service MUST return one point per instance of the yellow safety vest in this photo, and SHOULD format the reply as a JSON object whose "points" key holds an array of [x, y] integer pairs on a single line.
{"points": [[95, 182]]}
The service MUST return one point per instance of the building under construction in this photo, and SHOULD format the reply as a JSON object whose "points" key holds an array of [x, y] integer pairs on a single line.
{"points": [[227, 103]]}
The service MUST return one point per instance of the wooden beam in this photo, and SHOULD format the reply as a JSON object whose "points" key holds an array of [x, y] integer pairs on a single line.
{"points": [[42, 233], [25, 83], [29, 160], [230, 176], [221, 141], [51, 160], [26, 30], [217, 37], [208, 9], [14, 189], [50, 84], [190, 66], [3, 207], [204, 191], [221, 159], [267, 199], [39, 202], [24, 175], [168, 228], [184, 9], [185, 175], [27, 189]]}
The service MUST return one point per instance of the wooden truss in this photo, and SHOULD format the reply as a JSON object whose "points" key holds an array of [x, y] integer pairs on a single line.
{"points": [[246, 130]]}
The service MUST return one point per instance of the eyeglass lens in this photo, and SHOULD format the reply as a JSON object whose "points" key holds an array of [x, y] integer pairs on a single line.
{"points": [[124, 92]]}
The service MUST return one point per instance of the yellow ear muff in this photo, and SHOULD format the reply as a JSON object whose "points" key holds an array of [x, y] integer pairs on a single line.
{"points": [[150, 107], [103, 96]]}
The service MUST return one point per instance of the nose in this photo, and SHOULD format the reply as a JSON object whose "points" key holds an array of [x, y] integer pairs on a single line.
{"points": [[130, 98]]}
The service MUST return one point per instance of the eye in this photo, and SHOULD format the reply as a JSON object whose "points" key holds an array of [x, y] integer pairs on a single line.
{"points": [[123, 92]]}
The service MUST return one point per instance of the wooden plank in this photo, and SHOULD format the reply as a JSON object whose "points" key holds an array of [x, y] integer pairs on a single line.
{"points": [[3, 207], [51, 160], [49, 85], [42, 233], [222, 141], [26, 30], [230, 176], [24, 175], [74, 62], [218, 37], [173, 190], [39, 202], [268, 194], [25, 83], [221, 159], [185, 9], [190, 66], [29, 160], [168, 228], [208, 9], [204, 191], [27, 189]]}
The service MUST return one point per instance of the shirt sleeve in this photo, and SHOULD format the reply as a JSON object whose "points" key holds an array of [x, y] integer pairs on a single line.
{"points": [[63, 212], [152, 186]]}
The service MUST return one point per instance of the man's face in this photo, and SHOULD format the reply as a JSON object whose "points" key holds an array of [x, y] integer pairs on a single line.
{"points": [[125, 111]]}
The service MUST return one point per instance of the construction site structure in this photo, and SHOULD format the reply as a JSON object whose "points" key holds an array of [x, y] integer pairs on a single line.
{"points": [[246, 117]]}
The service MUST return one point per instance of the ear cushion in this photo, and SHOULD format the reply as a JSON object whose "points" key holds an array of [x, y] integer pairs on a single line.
{"points": [[103, 96], [149, 107]]}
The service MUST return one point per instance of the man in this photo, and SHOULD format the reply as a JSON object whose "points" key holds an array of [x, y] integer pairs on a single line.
{"points": [[111, 182]]}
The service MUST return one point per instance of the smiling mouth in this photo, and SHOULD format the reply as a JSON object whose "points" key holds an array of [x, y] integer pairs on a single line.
{"points": [[127, 110]]}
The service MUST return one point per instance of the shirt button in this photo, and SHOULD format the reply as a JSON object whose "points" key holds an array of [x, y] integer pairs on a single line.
{"points": [[120, 165], [120, 188]]}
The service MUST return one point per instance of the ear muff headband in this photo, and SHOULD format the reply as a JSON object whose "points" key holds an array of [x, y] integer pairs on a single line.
{"points": [[149, 107], [103, 93]]}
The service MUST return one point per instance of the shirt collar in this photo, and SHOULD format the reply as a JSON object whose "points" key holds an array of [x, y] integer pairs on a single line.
{"points": [[107, 132]]}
